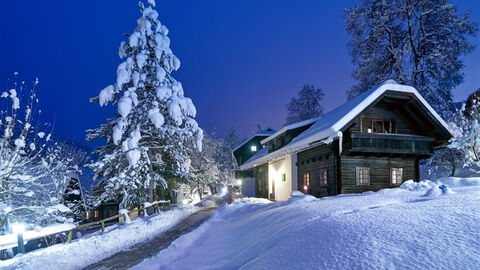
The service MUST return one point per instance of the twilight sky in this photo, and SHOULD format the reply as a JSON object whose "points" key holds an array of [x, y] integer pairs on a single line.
{"points": [[242, 61]]}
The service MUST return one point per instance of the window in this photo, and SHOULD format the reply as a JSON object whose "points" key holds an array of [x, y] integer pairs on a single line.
{"points": [[370, 125], [95, 214], [306, 179], [396, 175], [324, 177], [284, 177], [363, 175], [87, 214], [254, 148]]}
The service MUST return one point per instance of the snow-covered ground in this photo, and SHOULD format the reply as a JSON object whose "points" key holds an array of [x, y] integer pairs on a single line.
{"points": [[417, 226], [97, 246]]}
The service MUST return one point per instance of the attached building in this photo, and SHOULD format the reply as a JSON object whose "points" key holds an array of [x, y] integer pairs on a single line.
{"points": [[373, 141], [245, 151]]}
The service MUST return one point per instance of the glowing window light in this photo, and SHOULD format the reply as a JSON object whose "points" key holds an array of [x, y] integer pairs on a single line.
{"points": [[253, 148]]}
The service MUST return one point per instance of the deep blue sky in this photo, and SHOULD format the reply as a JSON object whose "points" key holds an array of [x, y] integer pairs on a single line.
{"points": [[241, 60]]}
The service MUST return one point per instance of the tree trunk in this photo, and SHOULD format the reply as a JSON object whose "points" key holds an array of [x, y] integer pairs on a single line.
{"points": [[454, 167], [151, 183]]}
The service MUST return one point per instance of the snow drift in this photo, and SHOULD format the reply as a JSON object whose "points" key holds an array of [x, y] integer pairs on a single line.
{"points": [[398, 228]]}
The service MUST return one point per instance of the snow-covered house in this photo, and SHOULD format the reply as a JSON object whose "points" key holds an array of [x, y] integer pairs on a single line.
{"points": [[373, 141], [245, 151]]}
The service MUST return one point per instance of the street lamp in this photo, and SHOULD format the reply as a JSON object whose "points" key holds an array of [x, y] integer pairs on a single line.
{"points": [[305, 188], [18, 229]]}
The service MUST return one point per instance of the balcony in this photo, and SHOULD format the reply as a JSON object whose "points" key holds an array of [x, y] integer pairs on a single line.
{"points": [[391, 144]]}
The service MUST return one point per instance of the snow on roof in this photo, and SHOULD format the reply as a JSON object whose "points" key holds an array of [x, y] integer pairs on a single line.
{"points": [[288, 127], [265, 132], [328, 126]]}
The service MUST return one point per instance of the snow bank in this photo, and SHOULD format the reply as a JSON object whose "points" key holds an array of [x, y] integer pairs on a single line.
{"points": [[95, 247], [396, 228]]}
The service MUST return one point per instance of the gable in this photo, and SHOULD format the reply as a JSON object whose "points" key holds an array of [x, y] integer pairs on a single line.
{"points": [[406, 112]]}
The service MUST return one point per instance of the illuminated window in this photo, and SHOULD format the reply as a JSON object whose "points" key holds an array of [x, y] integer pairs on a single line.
{"points": [[370, 125], [96, 214], [254, 148], [306, 179], [363, 175], [324, 177], [396, 175], [87, 214]]}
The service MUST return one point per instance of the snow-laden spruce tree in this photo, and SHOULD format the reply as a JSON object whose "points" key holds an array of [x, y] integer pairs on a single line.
{"points": [[414, 42], [30, 188], [151, 139]]}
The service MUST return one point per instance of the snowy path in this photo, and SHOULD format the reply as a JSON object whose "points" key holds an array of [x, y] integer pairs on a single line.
{"points": [[136, 254]]}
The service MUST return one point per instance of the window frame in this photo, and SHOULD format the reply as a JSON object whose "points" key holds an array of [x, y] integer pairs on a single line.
{"points": [[324, 177], [396, 169], [372, 120], [357, 170], [306, 179]]}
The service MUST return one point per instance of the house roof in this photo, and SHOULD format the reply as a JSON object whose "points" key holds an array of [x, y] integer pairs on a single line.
{"points": [[265, 132], [289, 127], [329, 126]]}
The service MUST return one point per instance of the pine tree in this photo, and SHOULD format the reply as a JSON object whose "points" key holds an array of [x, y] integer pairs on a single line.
{"points": [[415, 42], [306, 106], [151, 139]]}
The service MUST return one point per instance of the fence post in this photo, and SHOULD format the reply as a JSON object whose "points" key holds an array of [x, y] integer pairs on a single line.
{"points": [[69, 238], [103, 226]]}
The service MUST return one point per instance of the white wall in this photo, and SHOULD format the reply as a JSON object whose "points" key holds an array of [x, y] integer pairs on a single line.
{"points": [[275, 171], [248, 187]]}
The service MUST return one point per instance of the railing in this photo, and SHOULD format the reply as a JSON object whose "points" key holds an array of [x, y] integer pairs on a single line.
{"points": [[391, 143], [157, 207]]}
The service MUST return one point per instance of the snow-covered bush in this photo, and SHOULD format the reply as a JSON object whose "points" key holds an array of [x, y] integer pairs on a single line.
{"points": [[30, 189], [154, 133]]}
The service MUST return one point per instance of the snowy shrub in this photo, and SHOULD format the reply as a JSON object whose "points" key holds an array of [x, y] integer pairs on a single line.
{"points": [[32, 176]]}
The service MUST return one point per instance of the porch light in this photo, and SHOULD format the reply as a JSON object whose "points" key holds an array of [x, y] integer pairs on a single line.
{"points": [[305, 188], [253, 148]]}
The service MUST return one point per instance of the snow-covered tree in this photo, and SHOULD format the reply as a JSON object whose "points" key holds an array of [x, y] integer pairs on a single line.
{"points": [[232, 138], [28, 192], [415, 42], [467, 133], [154, 134], [307, 105], [213, 166]]}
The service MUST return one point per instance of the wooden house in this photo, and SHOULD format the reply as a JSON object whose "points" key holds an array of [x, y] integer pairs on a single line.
{"points": [[373, 141]]}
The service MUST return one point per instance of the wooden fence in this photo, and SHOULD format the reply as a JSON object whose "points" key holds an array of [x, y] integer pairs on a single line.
{"points": [[156, 206]]}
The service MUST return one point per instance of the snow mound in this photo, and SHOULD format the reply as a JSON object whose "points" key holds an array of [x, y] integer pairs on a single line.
{"points": [[97, 246], [394, 229], [297, 193]]}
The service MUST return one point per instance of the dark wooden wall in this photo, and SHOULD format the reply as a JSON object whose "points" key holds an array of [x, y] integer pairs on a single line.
{"points": [[313, 161], [381, 111], [285, 138], [261, 181], [244, 153], [379, 171]]}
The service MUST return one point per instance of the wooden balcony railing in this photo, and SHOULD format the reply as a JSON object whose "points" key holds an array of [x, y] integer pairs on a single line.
{"points": [[391, 143]]}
